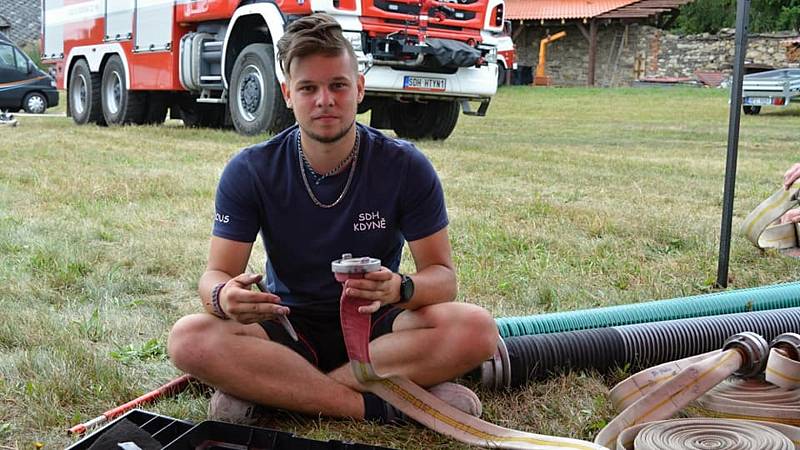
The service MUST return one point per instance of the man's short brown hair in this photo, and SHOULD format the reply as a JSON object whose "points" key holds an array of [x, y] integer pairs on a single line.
{"points": [[312, 35]]}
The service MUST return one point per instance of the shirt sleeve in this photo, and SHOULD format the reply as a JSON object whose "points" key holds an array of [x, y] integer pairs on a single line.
{"points": [[423, 210], [236, 205]]}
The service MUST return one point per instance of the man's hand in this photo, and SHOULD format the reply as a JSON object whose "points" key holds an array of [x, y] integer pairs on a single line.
{"points": [[790, 176], [382, 287], [244, 305], [791, 216]]}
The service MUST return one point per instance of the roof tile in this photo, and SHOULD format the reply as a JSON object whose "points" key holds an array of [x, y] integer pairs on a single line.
{"points": [[561, 9]]}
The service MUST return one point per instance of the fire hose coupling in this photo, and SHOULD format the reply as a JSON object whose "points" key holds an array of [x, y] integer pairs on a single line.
{"points": [[496, 371], [789, 343], [350, 265], [754, 351]]}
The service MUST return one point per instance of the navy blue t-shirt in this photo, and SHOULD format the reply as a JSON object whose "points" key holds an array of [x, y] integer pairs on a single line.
{"points": [[395, 194]]}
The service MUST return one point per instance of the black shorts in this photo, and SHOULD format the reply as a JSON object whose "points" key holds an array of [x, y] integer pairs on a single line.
{"points": [[320, 335]]}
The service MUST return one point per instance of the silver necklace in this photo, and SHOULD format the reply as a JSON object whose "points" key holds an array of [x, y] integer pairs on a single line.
{"points": [[318, 177], [352, 157]]}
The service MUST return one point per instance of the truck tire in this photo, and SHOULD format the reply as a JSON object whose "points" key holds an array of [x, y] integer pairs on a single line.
{"points": [[156, 112], [412, 120], [83, 94], [447, 118], [501, 74], [254, 95], [433, 120], [120, 105], [201, 115], [751, 110]]}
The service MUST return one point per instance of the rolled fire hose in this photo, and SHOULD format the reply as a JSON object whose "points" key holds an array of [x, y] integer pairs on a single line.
{"points": [[415, 401], [759, 229], [709, 434], [661, 391]]}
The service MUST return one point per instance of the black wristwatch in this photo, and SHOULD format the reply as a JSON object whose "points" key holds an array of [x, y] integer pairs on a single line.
{"points": [[406, 289]]}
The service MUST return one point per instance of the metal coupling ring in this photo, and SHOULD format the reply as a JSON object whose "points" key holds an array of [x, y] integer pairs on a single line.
{"points": [[496, 371], [789, 343], [754, 350]]}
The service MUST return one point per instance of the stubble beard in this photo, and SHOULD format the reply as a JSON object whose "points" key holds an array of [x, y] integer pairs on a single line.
{"points": [[329, 139]]}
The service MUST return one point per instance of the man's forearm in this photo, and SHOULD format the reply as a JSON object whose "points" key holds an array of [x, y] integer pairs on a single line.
{"points": [[433, 284]]}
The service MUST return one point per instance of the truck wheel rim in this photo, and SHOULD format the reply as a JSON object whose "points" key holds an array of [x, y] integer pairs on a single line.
{"points": [[114, 93], [250, 90], [79, 95], [36, 104]]}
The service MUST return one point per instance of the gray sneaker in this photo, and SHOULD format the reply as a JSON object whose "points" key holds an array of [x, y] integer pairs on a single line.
{"points": [[459, 397], [226, 408]]}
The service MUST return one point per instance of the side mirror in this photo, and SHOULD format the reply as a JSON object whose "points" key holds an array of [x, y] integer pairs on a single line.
{"points": [[31, 68]]}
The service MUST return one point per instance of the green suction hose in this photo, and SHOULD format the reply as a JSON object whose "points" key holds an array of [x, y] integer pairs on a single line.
{"points": [[778, 296]]}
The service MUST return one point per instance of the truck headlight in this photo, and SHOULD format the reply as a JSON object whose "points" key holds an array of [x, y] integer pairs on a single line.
{"points": [[492, 55], [355, 39]]}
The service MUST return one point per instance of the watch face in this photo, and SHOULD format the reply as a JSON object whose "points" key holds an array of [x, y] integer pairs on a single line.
{"points": [[406, 288]]}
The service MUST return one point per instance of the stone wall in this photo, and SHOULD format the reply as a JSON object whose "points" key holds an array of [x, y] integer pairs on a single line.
{"points": [[24, 18], [627, 53]]}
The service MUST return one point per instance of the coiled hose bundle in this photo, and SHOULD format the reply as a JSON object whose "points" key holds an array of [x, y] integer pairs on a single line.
{"points": [[526, 358]]}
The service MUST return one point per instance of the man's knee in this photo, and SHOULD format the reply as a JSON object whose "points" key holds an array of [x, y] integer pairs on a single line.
{"points": [[471, 328], [482, 329], [188, 340]]}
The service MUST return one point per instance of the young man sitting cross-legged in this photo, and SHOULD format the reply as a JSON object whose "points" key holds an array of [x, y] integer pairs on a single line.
{"points": [[325, 187]]}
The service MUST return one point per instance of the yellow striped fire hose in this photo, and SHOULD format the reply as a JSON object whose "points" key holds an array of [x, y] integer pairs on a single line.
{"points": [[647, 397], [759, 226]]}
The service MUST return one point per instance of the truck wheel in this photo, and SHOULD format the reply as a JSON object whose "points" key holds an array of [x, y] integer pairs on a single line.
{"points": [[413, 120], [34, 103], [447, 117], [83, 94], [120, 105], [254, 96], [501, 74], [201, 115], [751, 110], [156, 112], [433, 120]]}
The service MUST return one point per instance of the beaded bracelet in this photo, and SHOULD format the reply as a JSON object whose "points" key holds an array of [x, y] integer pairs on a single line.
{"points": [[215, 301]]}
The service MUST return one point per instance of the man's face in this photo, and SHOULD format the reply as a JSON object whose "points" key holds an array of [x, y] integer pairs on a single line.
{"points": [[324, 92]]}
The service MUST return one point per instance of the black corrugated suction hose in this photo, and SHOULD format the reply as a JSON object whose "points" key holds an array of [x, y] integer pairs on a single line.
{"points": [[640, 346]]}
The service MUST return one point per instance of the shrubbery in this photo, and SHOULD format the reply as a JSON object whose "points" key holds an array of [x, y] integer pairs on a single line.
{"points": [[709, 16]]}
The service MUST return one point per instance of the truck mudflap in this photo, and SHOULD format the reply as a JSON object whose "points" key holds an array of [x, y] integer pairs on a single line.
{"points": [[467, 82]]}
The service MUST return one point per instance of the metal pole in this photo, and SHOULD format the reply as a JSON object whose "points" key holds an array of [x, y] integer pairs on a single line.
{"points": [[742, 12]]}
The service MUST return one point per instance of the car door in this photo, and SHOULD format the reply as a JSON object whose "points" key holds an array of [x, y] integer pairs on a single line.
{"points": [[13, 72]]}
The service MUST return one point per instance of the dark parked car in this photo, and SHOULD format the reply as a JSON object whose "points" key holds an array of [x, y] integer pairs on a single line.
{"points": [[22, 84]]}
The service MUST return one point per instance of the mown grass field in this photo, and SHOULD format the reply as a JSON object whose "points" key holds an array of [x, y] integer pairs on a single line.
{"points": [[559, 199]]}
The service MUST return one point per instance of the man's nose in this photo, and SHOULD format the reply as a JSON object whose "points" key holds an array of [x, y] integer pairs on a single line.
{"points": [[325, 97]]}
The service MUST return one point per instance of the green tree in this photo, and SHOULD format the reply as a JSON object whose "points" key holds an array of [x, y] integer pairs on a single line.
{"points": [[709, 16]]}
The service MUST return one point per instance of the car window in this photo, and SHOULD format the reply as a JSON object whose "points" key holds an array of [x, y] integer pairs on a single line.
{"points": [[7, 57], [22, 61]]}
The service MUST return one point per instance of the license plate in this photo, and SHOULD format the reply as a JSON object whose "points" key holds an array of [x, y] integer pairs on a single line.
{"points": [[758, 101], [424, 84]]}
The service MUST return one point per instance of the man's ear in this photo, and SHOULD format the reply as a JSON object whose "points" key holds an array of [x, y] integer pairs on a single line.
{"points": [[360, 82], [286, 96]]}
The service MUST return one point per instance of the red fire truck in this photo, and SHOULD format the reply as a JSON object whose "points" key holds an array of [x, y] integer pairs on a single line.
{"points": [[212, 62]]}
